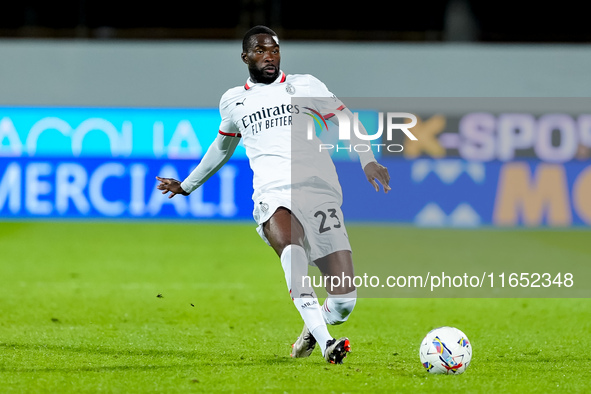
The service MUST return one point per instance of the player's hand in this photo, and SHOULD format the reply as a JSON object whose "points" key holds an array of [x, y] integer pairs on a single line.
{"points": [[377, 172], [170, 185]]}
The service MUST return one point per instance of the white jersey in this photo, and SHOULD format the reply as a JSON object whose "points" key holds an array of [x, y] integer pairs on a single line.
{"points": [[262, 115]]}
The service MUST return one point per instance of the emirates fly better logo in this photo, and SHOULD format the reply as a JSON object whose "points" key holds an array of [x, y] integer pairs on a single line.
{"points": [[359, 140]]}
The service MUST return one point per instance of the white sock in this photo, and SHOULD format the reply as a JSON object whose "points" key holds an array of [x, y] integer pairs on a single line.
{"points": [[321, 335], [337, 308], [295, 266], [311, 313]]}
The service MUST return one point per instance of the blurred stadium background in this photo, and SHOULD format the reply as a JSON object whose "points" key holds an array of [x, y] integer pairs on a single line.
{"points": [[99, 97]]}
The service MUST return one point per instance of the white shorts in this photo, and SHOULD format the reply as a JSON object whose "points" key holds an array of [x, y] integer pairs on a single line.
{"points": [[319, 213]]}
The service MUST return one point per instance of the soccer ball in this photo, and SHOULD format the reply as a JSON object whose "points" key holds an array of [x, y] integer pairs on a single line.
{"points": [[445, 350]]}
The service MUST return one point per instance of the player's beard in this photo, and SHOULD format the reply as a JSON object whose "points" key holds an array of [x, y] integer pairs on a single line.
{"points": [[261, 76]]}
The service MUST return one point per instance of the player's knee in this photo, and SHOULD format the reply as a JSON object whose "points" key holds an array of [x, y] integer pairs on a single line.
{"points": [[344, 307], [336, 310]]}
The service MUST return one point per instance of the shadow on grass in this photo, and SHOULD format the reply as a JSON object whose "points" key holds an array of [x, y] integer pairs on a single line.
{"points": [[276, 360], [112, 368], [149, 358], [185, 354]]}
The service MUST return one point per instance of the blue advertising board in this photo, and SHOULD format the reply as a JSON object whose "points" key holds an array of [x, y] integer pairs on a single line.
{"points": [[460, 193], [108, 132], [118, 188], [102, 163]]}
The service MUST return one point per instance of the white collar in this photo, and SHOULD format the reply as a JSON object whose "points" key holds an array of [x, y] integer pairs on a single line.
{"points": [[280, 79]]}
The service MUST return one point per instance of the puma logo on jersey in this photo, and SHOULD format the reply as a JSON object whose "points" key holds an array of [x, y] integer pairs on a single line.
{"points": [[241, 102]]}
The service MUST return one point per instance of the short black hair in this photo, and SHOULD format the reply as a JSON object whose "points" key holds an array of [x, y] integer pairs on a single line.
{"points": [[260, 29]]}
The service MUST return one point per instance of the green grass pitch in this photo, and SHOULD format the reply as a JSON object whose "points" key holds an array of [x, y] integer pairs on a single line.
{"points": [[193, 307]]}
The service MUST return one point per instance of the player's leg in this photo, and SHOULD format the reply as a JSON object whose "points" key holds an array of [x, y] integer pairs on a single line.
{"points": [[331, 252], [285, 234], [337, 267]]}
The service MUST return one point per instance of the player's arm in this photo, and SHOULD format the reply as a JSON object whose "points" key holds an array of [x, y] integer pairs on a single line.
{"points": [[374, 171], [218, 154]]}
